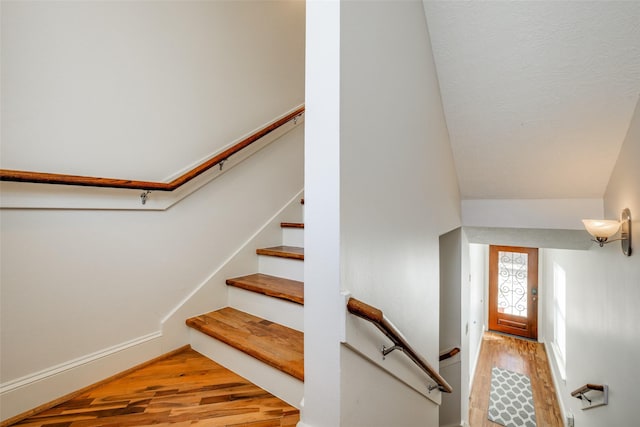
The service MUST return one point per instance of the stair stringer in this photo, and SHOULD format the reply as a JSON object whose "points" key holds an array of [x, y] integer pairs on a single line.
{"points": [[213, 293]]}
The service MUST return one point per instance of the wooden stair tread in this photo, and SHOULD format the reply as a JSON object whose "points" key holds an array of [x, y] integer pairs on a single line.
{"points": [[292, 224], [277, 287], [271, 343], [292, 252]]}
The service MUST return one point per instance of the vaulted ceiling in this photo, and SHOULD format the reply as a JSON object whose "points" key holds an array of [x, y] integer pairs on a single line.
{"points": [[538, 95]]}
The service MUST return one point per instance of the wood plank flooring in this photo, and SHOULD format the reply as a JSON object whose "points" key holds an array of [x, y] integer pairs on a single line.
{"points": [[181, 390], [518, 355]]}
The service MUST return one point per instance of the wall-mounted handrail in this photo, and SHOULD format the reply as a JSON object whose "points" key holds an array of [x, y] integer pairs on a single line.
{"points": [[592, 395], [87, 181], [448, 354], [375, 316], [585, 388]]}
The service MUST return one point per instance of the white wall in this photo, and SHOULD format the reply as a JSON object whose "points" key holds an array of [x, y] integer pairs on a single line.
{"points": [[452, 310], [323, 304], [136, 90], [450, 289], [381, 188], [530, 237], [77, 282], [397, 193], [141, 90], [478, 285], [465, 311], [602, 299], [530, 213]]}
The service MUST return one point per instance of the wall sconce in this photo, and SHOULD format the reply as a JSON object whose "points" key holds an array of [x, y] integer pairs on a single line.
{"points": [[602, 229]]}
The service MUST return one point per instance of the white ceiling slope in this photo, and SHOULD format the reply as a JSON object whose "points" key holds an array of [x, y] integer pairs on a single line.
{"points": [[538, 95]]}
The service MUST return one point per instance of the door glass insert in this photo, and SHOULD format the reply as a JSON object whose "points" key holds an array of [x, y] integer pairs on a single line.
{"points": [[512, 283]]}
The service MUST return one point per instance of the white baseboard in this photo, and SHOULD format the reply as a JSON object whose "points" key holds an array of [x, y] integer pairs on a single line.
{"points": [[33, 390], [474, 365], [558, 382]]}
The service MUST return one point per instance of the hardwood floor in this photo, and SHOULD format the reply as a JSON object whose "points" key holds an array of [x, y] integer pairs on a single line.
{"points": [[518, 355], [183, 389]]}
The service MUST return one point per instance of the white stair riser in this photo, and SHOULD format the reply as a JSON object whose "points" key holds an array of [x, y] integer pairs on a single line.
{"points": [[276, 382], [293, 237], [282, 267], [276, 310]]}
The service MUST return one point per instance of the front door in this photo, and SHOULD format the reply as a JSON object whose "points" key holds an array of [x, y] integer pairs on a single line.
{"points": [[513, 290]]}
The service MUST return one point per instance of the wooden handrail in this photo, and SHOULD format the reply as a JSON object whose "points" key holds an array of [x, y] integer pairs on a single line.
{"points": [[449, 354], [87, 181], [585, 388], [592, 395], [375, 316]]}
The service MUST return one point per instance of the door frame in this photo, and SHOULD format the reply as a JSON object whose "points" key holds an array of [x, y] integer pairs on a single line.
{"points": [[511, 324]]}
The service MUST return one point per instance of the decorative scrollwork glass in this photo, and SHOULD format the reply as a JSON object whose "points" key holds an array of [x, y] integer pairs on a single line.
{"points": [[512, 283]]}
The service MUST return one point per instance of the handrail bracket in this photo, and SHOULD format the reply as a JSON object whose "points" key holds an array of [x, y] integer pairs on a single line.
{"points": [[386, 350], [592, 395], [436, 387], [144, 196]]}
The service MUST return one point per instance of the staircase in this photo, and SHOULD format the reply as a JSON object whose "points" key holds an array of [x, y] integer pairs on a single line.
{"points": [[259, 335]]}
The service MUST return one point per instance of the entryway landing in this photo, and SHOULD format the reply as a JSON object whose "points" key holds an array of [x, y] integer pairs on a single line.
{"points": [[518, 355]]}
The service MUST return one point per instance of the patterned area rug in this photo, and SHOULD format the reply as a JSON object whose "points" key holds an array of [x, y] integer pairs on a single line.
{"points": [[511, 400]]}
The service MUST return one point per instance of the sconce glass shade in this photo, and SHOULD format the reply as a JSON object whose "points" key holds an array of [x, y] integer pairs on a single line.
{"points": [[601, 228]]}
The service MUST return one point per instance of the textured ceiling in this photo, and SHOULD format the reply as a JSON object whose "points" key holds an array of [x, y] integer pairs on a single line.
{"points": [[538, 95]]}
